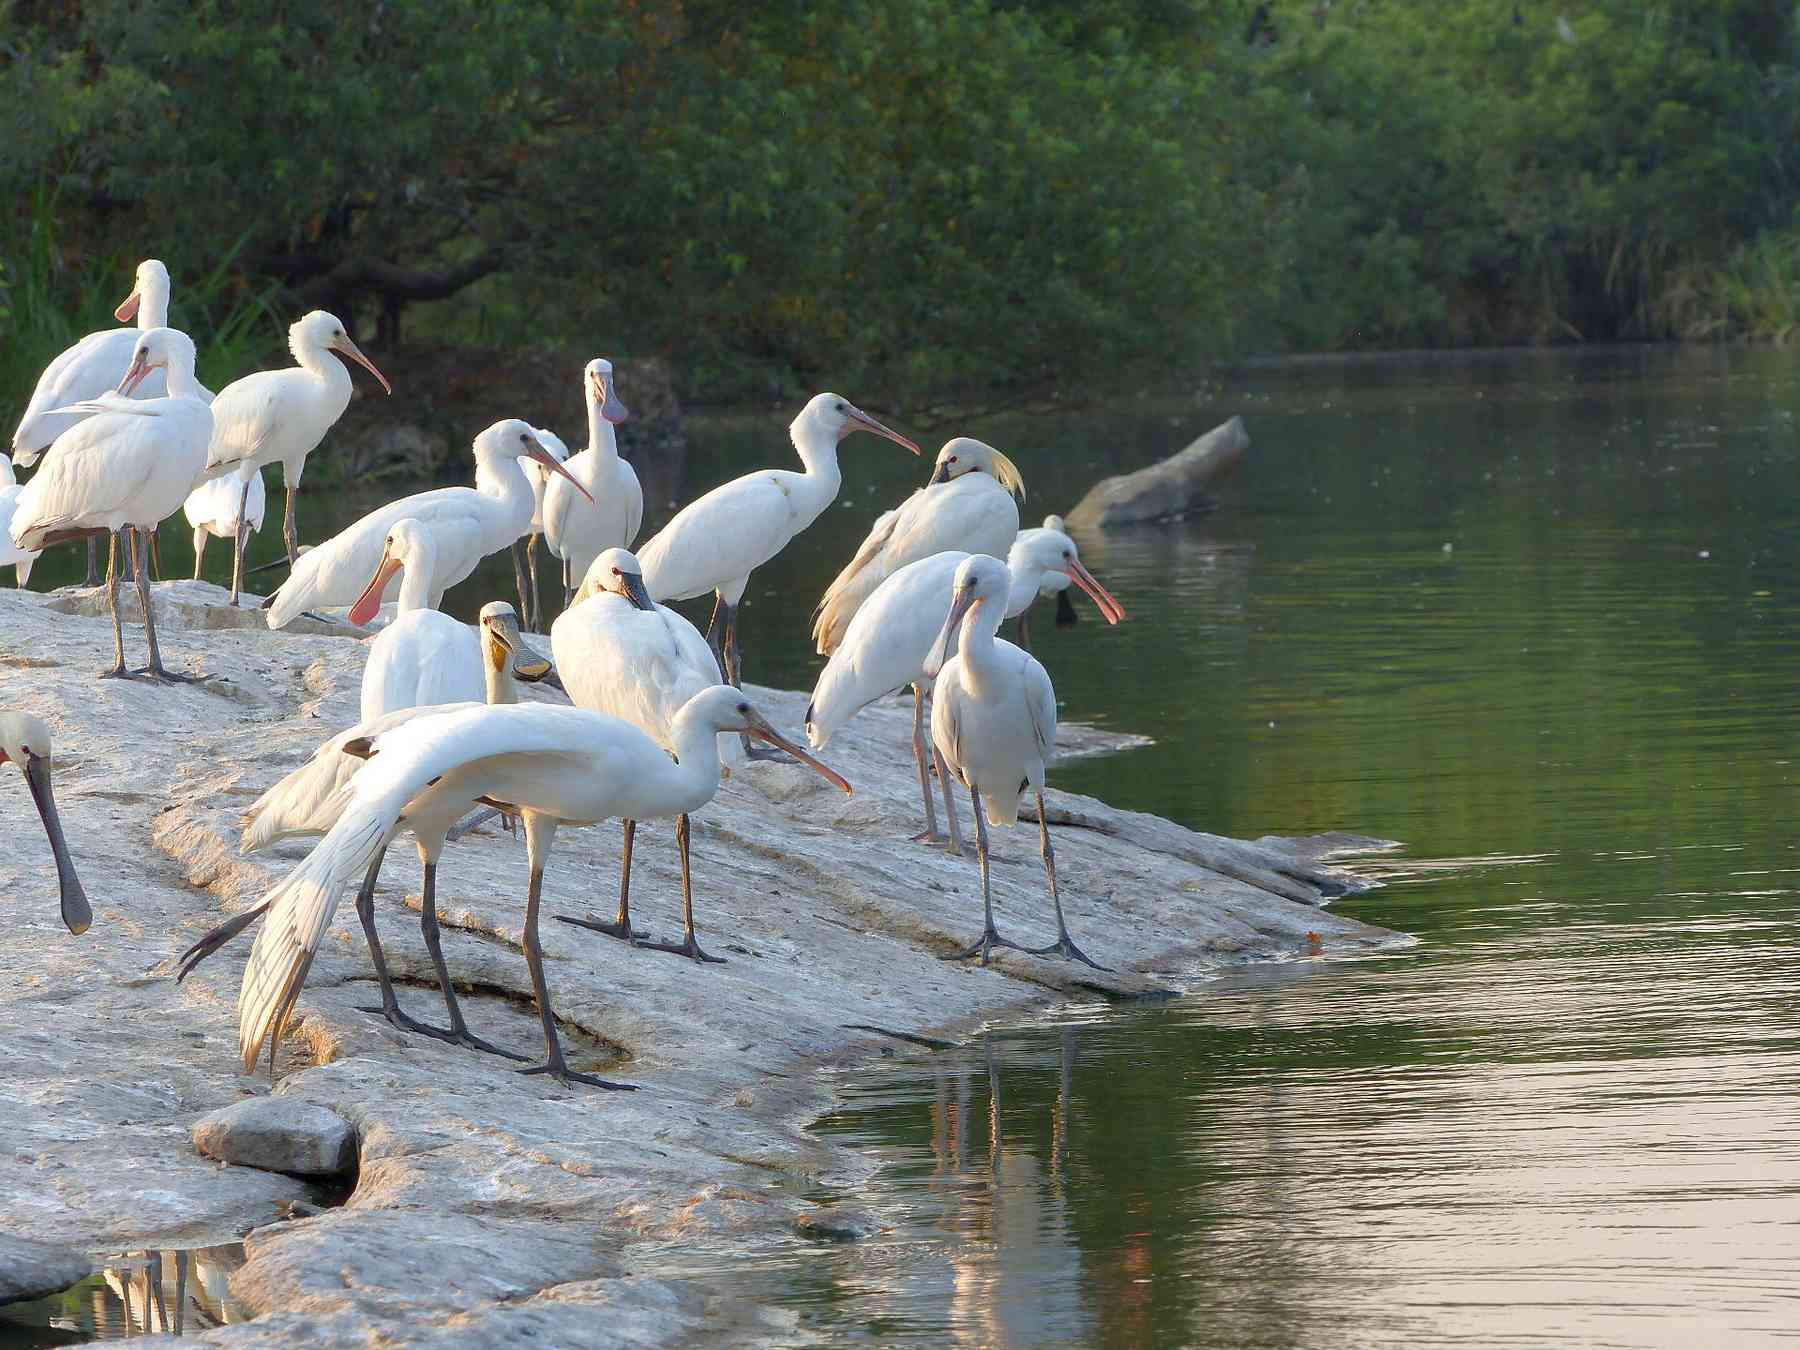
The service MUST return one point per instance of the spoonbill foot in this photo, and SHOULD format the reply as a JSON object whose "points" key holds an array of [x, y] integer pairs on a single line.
{"points": [[990, 942], [1065, 947], [118, 672], [611, 928], [562, 1073], [401, 1021], [688, 946], [165, 676], [944, 842]]}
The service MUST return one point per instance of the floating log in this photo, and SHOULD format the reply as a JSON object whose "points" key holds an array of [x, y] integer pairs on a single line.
{"points": [[1170, 488]]}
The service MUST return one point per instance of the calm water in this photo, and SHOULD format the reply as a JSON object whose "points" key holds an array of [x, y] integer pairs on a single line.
{"points": [[1535, 615]]}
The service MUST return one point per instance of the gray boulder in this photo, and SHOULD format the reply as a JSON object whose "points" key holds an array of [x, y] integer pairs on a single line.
{"points": [[278, 1134], [33, 1269], [1172, 487]]}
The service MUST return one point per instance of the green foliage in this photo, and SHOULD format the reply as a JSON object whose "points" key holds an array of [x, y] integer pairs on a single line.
{"points": [[912, 198]]}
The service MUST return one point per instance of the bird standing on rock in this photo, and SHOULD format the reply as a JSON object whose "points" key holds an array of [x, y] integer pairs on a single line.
{"points": [[466, 525], [130, 464], [280, 416], [600, 505], [551, 765], [993, 719], [25, 741], [968, 504], [621, 653], [716, 542]]}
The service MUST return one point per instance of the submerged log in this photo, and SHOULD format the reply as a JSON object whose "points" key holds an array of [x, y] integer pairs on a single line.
{"points": [[1170, 488]]}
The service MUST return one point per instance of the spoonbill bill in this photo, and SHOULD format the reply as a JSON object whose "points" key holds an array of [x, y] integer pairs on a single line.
{"points": [[968, 504], [93, 366], [993, 719], [212, 509], [424, 656], [530, 614], [20, 558], [576, 530], [307, 803], [25, 741], [621, 653], [885, 647], [716, 542], [280, 416], [466, 524], [551, 765], [130, 464], [1054, 584]]}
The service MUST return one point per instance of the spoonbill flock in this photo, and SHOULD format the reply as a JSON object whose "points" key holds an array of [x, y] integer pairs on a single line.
{"points": [[127, 436]]}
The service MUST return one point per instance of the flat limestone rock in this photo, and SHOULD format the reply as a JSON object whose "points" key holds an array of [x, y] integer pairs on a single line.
{"points": [[1173, 487], [492, 1208], [278, 1134], [33, 1269]]}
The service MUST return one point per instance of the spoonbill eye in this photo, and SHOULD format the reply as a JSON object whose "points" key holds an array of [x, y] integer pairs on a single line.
{"points": [[951, 460], [744, 709]]}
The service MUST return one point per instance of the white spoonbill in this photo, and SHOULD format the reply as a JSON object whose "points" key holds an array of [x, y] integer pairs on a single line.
{"points": [[20, 558], [993, 719], [967, 504], [621, 653], [577, 530], [552, 765], [424, 656], [309, 800], [1054, 583], [716, 542], [129, 465], [466, 524], [887, 643], [212, 509], [25, 741], [280, 416], [93, 366], [531, 614]]}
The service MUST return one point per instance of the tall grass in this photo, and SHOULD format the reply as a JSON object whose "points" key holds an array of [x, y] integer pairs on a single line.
{"points": [[52, 295]]}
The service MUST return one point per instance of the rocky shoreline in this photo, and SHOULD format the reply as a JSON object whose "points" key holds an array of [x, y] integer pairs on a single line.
{"points": [[488, 1208]]}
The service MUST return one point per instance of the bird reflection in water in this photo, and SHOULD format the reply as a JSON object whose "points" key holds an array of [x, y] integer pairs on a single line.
{"points": [[176, 1292]]}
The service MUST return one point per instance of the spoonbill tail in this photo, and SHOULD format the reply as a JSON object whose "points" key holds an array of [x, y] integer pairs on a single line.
{"points": [[885, 647], [578, 531], [531, 614], [93, 366], [280, 416], [308, 802], [131, 463], [967, 504], [212, 509], [25, 741], [466, 524], [551, 765], [715, 543], [621, 653], [1054, 584], [20, 558], [993, 719], [424, 656]]}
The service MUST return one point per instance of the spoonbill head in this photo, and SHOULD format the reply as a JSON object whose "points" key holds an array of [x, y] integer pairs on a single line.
{"points": [[501, 644], [618, 572], [837, 417], [980, 578], [149, 291], [965, 454], [599, 376], [25, 741], [1039, 558], [320, 331], [408, 547], [512, 438], [158, 349]]}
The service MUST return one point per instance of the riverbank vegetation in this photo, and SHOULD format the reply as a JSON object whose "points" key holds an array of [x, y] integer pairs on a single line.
{"points": [[915, 198]]}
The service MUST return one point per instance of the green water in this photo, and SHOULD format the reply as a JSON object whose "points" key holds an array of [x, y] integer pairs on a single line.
{"points": [[1534, 615]]}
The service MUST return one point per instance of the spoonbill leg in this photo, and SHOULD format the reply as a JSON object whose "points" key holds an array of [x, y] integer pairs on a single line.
{"points": [[1024, 629], [539, 831], [239, 538], [690, 944], [536, 621], [990, 937], [956, 844], [290, 532], [118, 671], [1065, 610], [459, 1033], [199, 548], [1064, 946], [620, 927], [93, 572], [155, 670], [931, 835], [518, 561]]}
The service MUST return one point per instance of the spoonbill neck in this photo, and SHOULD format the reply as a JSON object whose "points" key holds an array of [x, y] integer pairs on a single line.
{"points": [[316, 359], [976, 647], [1025, 582], [818, 451], [415, 582], [696, 766], [496, 668], [502, 479], [179, 377], [603, 441], [153, 307]]}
